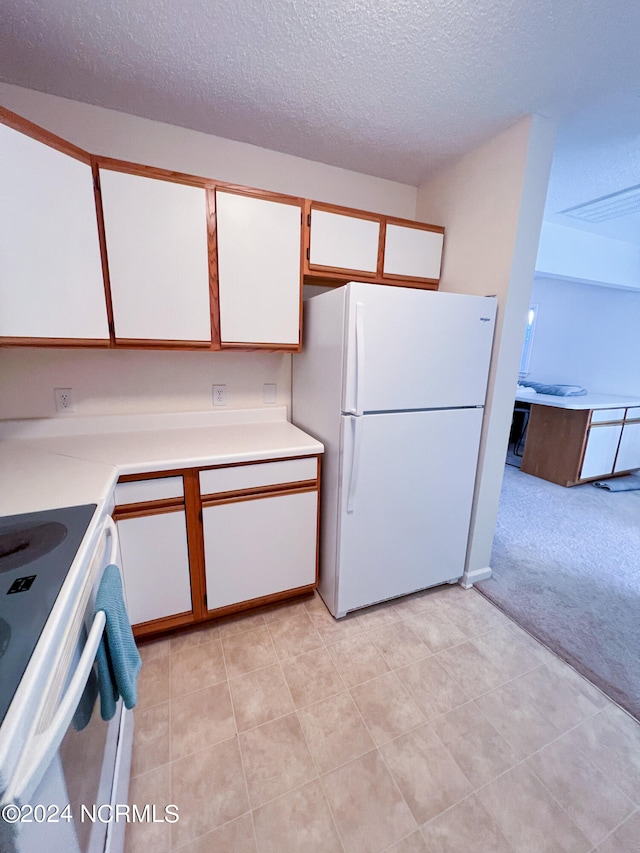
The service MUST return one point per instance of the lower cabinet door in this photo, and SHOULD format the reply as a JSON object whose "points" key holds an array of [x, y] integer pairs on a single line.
{"points": [[259, 547], [155, 565], [600, 452], [629, 451]]}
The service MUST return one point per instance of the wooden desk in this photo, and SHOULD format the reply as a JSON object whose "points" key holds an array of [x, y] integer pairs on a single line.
{"points": [[574, 440]]}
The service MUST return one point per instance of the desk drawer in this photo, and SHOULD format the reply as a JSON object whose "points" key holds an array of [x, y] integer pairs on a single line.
{"points": [[599, 416]]}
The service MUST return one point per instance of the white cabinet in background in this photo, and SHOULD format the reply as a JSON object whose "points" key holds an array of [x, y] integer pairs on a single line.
{"points": [[259, 546], [259, 274], [155, 565], [412, 252], [157, 252], [343, 242], [600, 452], [628, 456], [51, 284]]}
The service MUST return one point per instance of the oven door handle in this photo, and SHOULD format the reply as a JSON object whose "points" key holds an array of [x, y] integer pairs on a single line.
{"points": [[41, 749], [112, 532]]}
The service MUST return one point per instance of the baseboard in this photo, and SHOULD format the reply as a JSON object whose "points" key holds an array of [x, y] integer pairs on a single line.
{"points": [[469, 578]]}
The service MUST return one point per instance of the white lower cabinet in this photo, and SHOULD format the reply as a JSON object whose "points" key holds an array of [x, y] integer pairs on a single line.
{"points": [[628, 456], [600, 452], [155, 565], [258, 547]]}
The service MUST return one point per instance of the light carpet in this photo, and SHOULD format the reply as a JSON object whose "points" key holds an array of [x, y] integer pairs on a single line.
{"points": [[566, 567]]}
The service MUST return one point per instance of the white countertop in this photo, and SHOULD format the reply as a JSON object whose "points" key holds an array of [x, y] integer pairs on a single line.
{"points": [[586, 401], [68, 461]]}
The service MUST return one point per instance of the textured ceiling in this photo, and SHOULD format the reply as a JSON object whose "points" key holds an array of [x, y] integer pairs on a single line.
{"points": [[393, 88]]}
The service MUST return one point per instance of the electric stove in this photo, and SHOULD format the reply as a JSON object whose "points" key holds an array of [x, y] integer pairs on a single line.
{"points": [[37, 550]]}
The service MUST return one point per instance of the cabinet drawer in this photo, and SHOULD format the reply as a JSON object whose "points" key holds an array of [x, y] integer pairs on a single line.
{"points": [[140, 491], [261, 474], [633, 414], [600, 415]]}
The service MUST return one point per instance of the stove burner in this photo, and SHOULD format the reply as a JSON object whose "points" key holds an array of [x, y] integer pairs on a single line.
{"points": [[25, 544]]}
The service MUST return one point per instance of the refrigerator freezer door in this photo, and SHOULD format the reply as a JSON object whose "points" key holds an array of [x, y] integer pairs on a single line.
{"points": [[415, 349], [405, 502]]}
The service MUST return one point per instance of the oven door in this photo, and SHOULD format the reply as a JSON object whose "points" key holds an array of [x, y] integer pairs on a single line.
{"points": [[74, 762]]}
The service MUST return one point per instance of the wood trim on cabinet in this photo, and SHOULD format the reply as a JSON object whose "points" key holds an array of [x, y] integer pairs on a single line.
{"points": [[195, 543], [261, 601], [244, 463], [113, 165], [23, 125], [167, 623], [145, 508], [414, 223], [382, 239], [266, 195], [339, 279], [7, 341], [259, 492], [249, 346], [102, 240], [158, 343], [214, 281]]}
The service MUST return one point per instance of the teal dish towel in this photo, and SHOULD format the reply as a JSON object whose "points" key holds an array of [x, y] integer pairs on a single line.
{"points": [[117, 658]]}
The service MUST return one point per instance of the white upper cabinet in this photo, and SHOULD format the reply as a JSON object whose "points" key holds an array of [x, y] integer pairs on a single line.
{"points": [[259, 274], [51, 283], [341, 241], [157, 252], [412, 252]]}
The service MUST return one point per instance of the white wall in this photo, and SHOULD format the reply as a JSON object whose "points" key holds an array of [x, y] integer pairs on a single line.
{"points": [[586, 335], [491, 204], [585, 257], [129, 381]]}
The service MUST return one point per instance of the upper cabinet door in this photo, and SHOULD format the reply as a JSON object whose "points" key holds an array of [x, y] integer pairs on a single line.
{"points": [[412, 252], [342, 242], [157, 253], [259, 270], [51, 284]]}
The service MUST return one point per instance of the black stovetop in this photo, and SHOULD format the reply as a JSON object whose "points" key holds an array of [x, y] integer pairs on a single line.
{"points": [[36, 552]]}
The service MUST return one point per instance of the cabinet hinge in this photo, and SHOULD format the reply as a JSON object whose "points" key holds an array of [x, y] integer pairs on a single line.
{"points": [[308, 254], [205, 600], [200, 515], [309, 219]]}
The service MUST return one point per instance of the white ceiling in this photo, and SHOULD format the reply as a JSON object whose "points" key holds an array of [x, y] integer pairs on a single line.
{"points": [[393, 88]]}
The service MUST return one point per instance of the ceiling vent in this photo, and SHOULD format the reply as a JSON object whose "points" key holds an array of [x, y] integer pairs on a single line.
{"points": [[607, 206]]}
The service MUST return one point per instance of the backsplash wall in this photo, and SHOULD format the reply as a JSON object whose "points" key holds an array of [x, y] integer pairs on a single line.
{"points": [[128, 381]]}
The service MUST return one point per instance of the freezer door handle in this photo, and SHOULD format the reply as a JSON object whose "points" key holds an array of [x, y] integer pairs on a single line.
{"points": [[356, 433]]}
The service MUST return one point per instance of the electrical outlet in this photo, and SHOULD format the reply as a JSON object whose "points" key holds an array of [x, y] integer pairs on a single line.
{"points": [[219, 395], [270, 393], [64, 400]]}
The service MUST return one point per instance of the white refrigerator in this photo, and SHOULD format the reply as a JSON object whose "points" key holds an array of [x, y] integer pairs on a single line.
{"points": [[393, 381]]}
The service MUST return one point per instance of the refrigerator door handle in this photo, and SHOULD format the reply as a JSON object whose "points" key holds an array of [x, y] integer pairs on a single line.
{"points": [[356, 432], [359, 355]]}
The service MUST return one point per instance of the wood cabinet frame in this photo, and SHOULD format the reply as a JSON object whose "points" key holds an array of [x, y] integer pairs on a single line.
{"points": [[192, 503], [336, 276], [556, 444]]}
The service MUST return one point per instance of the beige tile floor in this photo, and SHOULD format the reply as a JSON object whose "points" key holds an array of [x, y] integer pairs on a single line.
{"points": [[432, 723]]}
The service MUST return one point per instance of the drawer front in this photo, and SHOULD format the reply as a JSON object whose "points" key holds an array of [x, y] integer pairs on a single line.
{"points": [[232, 479], [633, 414], [598, 416], [140, 491]]}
